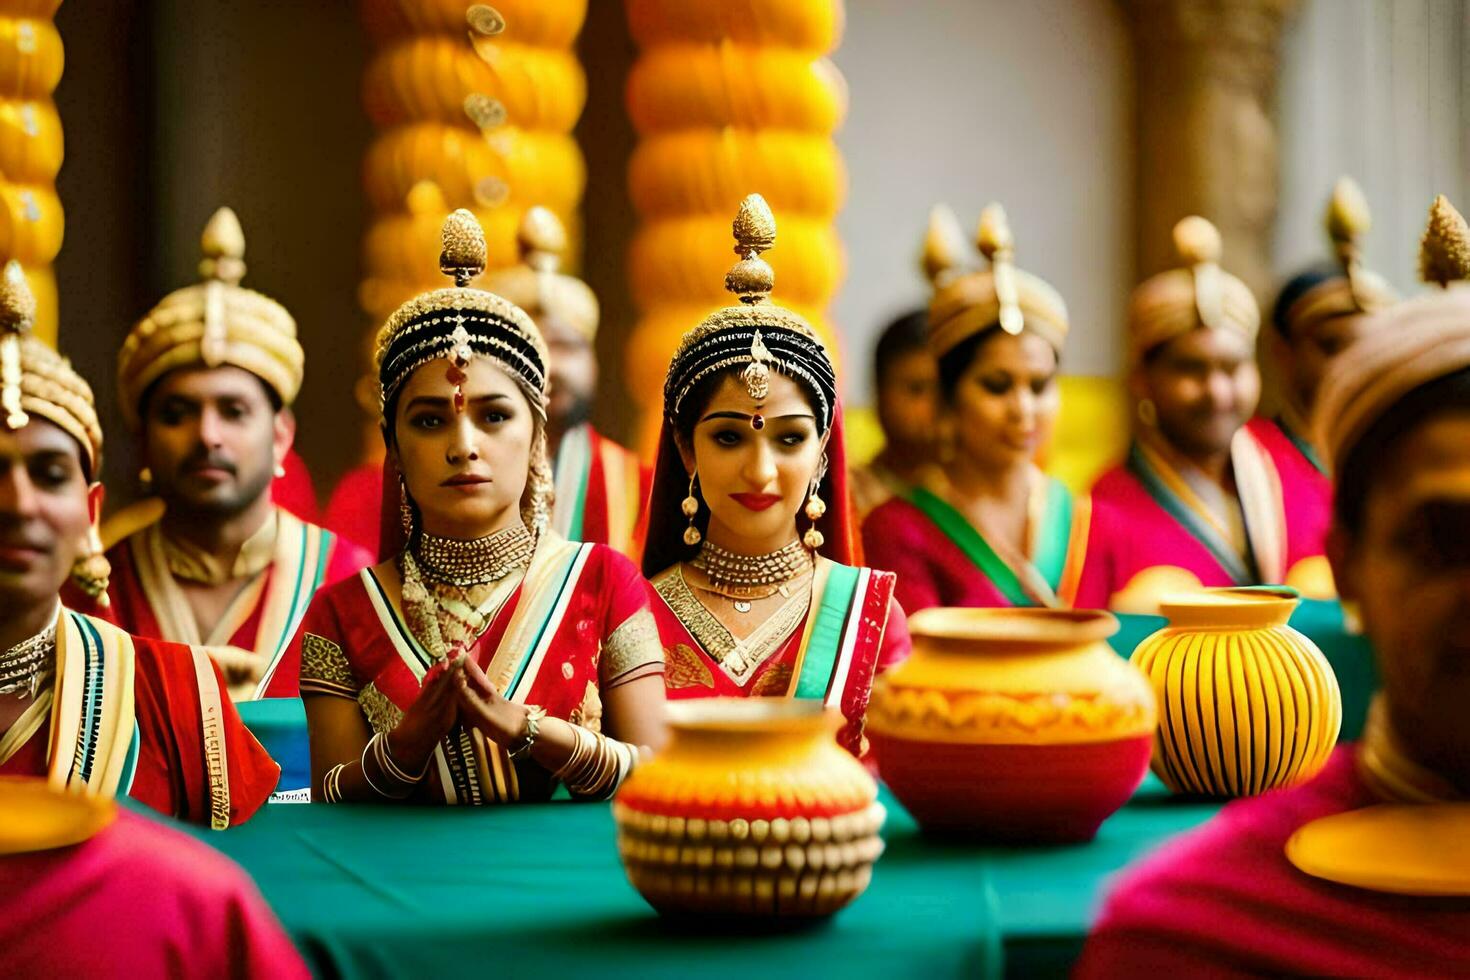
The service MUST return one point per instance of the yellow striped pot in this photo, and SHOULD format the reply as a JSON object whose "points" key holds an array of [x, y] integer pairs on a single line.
{"points": [[1246, 703]]}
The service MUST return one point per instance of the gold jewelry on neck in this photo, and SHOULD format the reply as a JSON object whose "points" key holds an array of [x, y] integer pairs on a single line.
{"points": [[25, 665], [476, 562], [1390, 771], [745, 577], [192, 563]]}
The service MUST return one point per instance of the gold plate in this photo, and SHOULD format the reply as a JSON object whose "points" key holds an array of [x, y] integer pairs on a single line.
{"points": [[35, 817], [1420, 849]]}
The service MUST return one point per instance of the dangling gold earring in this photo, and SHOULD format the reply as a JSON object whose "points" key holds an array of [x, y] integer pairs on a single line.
{"points": [[815, 508], [690, 507], [145, 480], [405, 509], [92, 570], [1147, 413]]}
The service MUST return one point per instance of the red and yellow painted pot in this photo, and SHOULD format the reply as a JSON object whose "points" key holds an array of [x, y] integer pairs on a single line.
{"points": [[1246, 703], [752, 811], [1014, 725]]}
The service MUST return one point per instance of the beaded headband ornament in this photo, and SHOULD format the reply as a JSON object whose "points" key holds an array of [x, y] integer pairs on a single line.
{"points": [[461, 323]]}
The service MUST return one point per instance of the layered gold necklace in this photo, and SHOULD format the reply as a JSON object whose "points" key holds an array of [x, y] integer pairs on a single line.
{"points": [[25, 665], [452, 588], [744, 579]]}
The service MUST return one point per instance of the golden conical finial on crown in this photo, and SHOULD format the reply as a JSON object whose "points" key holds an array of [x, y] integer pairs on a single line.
{"points": [[944, 245], [1348, 220], [17, 316], [463, 254], [1444, 253], [752, 279], [995, 242], [1198, 243], [223, 245], [542, 239]]}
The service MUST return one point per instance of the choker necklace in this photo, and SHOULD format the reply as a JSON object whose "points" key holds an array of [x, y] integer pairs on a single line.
{"points": [[24, 665], [742, 578], [477, 562]]}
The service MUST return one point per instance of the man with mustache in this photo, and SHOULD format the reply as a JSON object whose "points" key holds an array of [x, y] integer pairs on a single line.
{"points": [[601, 487], [82, 703], [1199, 499], [207, 379], [1361, 870]]}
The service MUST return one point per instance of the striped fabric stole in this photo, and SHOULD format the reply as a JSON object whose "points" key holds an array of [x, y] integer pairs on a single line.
{"points": [[1261, 558], [471, 769], [298, 568], [94, 740], [572, 468], [1059, 526], [825, 656]]}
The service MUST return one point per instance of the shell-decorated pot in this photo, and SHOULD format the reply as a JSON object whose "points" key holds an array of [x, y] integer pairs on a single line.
{"points": [[1015, 725], [751, 811], [1246, 703]]}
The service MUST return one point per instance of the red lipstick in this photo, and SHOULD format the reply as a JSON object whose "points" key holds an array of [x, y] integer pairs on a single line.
{"points": [[756, 501]]}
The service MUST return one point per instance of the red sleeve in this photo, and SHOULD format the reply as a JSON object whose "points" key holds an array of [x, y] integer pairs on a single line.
{"points": [[320, 620], [173, 769], [624, 589], [886, 547]]}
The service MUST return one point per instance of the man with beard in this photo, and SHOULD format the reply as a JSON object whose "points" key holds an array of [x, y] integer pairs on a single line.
{"points": [[82, 703], [600, 486], [1321, 879], [1199, 499], [207, 379]]}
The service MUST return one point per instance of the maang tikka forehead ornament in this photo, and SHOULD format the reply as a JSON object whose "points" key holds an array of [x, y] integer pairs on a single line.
{"points": [[757, 334]]}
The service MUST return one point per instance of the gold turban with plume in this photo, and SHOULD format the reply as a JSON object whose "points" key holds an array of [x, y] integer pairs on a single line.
{"points": [[1201, 294], [1412, 343], [35, 380], [536, 285], [212, 323], [967, 302], [1358, 289]]}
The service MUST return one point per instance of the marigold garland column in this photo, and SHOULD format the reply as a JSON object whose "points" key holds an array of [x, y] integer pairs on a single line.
{"points": [[474, 106], [31, 149], [729, 98]]}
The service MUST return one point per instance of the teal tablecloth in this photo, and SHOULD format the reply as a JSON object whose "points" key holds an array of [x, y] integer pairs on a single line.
{"points": [[538, 890]]}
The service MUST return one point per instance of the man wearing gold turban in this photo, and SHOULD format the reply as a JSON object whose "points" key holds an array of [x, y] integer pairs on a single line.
{"points": [[81, 702], [1199, 499], [601, 487], [207, 379], [1362, 870]]}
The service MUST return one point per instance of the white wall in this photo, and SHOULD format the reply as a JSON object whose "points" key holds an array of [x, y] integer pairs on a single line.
{"points": [[1380, 90], [968, 101]]}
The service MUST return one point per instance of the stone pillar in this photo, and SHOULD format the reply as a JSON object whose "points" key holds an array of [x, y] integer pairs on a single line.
{"points": [[1206, 73]]}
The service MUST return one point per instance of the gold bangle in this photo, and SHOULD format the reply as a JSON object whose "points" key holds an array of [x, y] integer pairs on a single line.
{"points": [[332, 784], [534, 714]]}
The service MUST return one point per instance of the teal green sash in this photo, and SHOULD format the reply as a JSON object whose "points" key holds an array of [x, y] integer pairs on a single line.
{"points": [[1302, 445], [824, 643], [1220, 550], [958, 529]]}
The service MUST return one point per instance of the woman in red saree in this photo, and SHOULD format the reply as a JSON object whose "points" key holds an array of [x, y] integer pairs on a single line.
{"points": [[747, 603], [486, 659], [994, 530]]}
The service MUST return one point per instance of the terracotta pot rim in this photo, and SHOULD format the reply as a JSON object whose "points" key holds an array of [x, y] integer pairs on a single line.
{"points": [[751, 715], [1039, 627]]}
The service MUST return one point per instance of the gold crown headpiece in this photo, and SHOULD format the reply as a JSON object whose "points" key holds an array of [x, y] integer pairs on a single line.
{"points": [[212, 323], [1358, 289], [966, 303], [36, 380], [537, 285], [461, 322], [1444, 251], [1198, 294], [757, 334]]}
